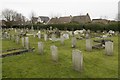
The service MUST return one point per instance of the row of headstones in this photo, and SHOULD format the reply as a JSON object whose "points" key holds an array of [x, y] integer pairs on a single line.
{"points": [[77, 57], [108, 44]]}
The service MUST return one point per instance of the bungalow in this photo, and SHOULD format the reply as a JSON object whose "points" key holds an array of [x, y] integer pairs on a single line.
{"points": [[63, 20], [69, 19], [81, 19], [103, 21], [43, 19], [53, 21]]}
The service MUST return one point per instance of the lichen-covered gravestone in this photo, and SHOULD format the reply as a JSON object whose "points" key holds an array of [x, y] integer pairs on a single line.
{"points": [[27, 42], [77, 60], [109, 48], [74, 41], [40, 47], [23, 41], [54, 53], [88, 45]]}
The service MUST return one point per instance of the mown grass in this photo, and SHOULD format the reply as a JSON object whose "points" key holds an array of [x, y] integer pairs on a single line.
{"points": [[34, 65]]}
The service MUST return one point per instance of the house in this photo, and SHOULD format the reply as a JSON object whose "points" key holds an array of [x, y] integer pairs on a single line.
{"points": [[43, 19], [2, 23], [69, 19], [103, 21], [63, 20], [81, 19], [34, 20], [53, 21]]}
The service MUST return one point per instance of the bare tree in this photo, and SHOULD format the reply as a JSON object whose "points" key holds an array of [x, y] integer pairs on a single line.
{"points": [[12, 17]]}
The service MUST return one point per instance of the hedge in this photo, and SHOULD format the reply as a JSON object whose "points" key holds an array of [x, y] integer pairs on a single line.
{"points": [[73, 26]]}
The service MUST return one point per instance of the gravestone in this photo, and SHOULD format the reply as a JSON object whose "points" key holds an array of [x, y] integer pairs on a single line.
{"points": [[53, 37], [74, 41], [23, 41], [109, 48], [17, 39], [34, 34], [45, 37], [62, 40], [87, 36], [54, 52], [27, 42], [88, 45], [39, 35], [40, 47], [77, 60]]}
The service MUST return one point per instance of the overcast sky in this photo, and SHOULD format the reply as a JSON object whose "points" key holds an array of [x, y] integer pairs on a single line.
{"points": [[96, 8]]}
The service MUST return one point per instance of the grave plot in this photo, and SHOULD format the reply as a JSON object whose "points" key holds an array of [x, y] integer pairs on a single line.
{"points": [[15, 52], [100, 43]]}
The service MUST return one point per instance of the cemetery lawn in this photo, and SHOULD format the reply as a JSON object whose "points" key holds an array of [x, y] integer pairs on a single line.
{"points": [[34, 65]]}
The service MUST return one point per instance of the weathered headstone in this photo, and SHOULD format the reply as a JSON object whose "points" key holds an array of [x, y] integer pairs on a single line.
{"points": [[23, 41], [34, 34], [77, 60], [39, 35], [17, 39], [45, 37], [88, 45], [27, 42], [40, 47], [53, 37], [62, 40], [87, 36], [109, 48], [74, 41], [54, 52]]}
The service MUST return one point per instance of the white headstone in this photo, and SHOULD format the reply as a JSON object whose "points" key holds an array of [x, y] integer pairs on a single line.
{"points": [[39, 35], [53, 37], [40, 47], [62, 40], [45, 37], [27, 42], [74, 41], [54, 52], [23, 41], [34, 34], [88, 45], [109, 48], [77, 60], [17, 39]]}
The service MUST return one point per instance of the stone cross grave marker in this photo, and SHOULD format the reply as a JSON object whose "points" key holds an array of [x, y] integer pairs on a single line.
{"points": [[77, 60], [54, 52], [109, 48], [88, 45], [74, 41]]}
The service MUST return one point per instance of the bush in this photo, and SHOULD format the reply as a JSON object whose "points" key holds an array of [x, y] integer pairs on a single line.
{"points": [[72, 26]]}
